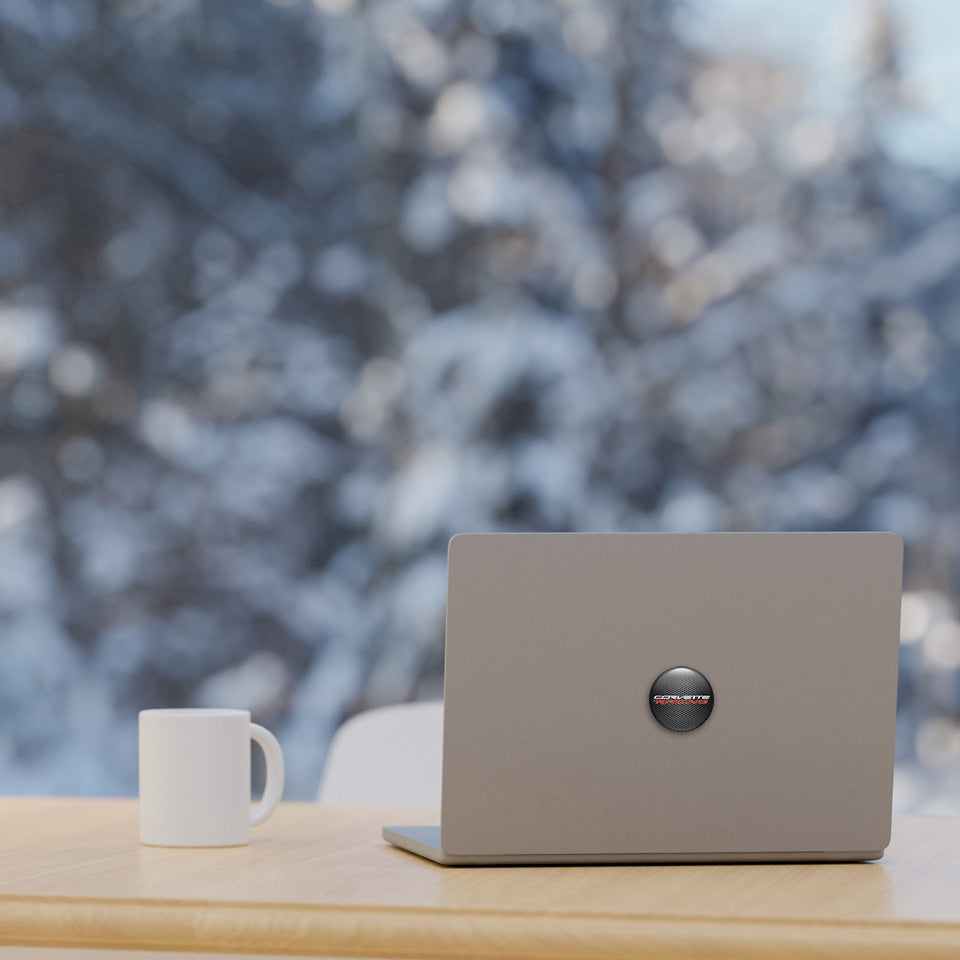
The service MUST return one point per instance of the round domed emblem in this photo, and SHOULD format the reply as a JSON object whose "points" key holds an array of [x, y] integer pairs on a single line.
{"points": [[681, 699]]}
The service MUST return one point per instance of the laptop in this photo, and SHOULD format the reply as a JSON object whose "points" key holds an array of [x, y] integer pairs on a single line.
{"points": [[667, 698]]}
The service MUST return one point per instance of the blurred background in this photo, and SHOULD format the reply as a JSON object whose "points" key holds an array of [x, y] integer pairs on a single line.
{"points": [[291, 292]]}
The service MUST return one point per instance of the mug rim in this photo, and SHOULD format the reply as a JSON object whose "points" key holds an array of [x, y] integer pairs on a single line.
{"points": [[195, 713]]}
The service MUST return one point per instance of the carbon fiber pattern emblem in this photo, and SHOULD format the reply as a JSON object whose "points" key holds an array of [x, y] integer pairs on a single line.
{"points": [[681, 699]]}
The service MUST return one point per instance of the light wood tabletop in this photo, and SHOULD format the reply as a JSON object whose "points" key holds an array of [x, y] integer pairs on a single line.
{"points": [[319, 881]]}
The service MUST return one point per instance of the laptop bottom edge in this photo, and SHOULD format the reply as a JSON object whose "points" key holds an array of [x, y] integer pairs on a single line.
{"points": [[425, 842]]}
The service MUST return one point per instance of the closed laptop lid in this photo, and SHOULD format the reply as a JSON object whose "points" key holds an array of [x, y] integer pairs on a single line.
{"points": [[555, 641]]}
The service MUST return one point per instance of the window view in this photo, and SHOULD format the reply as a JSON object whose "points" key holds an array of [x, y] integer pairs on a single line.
{"points": [[291, 292]]}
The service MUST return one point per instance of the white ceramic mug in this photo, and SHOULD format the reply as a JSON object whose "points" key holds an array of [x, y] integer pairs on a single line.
{"points": [[195, 777]]}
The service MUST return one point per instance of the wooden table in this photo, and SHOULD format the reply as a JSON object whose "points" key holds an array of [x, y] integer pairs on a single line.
{"points": [[319, 881]]}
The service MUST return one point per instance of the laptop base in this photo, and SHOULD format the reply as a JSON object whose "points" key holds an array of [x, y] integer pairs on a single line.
{"points": [[425, 842]]}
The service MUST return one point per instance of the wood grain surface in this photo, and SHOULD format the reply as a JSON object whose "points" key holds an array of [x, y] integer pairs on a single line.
{"points": [[319, 881]]}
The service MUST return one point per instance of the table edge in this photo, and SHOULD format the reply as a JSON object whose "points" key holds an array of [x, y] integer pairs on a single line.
{"points": [[364, 931]]}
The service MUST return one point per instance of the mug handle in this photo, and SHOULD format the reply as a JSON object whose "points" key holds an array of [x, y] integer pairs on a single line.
{"points": [[273, 788]]}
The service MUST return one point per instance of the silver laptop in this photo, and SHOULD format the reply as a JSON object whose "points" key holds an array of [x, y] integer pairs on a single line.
{"points": [[657, 698]]}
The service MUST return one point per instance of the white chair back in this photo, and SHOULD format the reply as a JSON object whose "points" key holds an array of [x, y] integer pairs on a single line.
{"points": [[390, 755]]}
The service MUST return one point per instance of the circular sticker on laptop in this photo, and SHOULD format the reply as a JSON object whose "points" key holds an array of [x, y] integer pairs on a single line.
{"points": [[681, 699]]}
